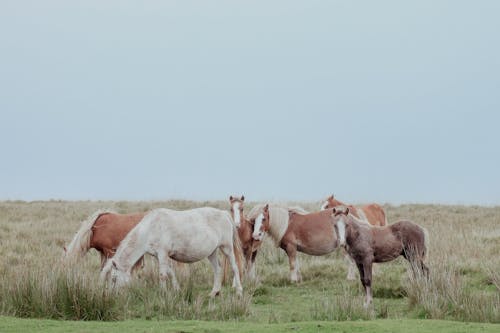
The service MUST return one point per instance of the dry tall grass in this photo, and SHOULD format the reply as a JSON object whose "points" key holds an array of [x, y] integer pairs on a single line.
{"points": [[464, 263]]}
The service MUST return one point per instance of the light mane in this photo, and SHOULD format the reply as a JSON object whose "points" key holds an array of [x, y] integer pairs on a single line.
{"points": [[80, 244], [278, 219]]}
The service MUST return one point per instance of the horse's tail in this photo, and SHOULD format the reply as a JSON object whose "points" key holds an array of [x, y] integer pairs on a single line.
{"points": [[426, 243], [80, 244]]}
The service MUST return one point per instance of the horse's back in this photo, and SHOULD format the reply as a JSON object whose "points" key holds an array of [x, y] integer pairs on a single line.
{"points": [[110, 229], [375, 214], [204, 219]]}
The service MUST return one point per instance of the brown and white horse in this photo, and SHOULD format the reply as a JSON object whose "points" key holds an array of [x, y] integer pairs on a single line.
{"points": [[103, 231], [295, 231], [249, 245], [372, 213], [367, 245]]}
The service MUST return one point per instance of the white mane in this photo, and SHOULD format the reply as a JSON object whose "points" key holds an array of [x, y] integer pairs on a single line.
{"points": [[278, 218]]}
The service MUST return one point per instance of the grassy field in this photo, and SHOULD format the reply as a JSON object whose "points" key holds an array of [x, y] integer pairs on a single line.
{"points": [[465, 283], [14, 325]]}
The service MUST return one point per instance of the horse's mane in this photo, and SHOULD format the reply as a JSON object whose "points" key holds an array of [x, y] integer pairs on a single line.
{"points": [[80, 244], [278, 218]]}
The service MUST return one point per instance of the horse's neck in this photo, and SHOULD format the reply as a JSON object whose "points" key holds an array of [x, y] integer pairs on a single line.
{"points": [[245, 230], [130, 250], [357, 224]]}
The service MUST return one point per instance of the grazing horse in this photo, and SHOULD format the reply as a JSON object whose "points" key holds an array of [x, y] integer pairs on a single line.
{"points": [[294, 230], [249, 245], [186, 236], [367, 244], [372, 213], [103, 231]]}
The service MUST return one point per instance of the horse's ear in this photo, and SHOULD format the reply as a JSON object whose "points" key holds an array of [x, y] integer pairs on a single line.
{"points": [[242, 198], [230, 198], [347, 211]]}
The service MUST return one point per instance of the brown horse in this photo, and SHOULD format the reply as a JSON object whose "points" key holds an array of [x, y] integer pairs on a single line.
{"points": [[312, 233], [249, 245], [367, 244], [372, 213], [103, 231]]}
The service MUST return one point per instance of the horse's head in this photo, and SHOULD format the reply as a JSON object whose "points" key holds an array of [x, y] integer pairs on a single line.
{"points": [[237, 209], [330, 202], [261, 225], [338, 215], [111, 271], [118, 276]]}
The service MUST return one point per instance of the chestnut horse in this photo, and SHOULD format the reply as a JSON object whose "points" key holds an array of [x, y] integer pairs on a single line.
{"points": [[367, 244], [372, 213], [295, 230], [103, 231], [249, 245]]}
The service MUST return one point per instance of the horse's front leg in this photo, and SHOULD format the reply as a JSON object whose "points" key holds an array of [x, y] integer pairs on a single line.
{"points": [[351, 266], [251, 272], [167, 271], [367, 282], [291, 251]]}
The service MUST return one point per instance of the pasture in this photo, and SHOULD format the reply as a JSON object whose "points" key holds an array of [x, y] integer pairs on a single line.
{"points": [[464, 286]]}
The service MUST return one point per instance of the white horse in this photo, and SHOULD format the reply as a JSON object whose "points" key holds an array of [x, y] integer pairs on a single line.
{"points": [[186, 236]]}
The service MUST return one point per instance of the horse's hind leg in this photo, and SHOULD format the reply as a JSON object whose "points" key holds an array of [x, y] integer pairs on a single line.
{"points": [[229, 253], [214, 260]]}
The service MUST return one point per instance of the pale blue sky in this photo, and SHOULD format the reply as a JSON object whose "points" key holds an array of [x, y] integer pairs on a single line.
{"points": [[386, 101]]}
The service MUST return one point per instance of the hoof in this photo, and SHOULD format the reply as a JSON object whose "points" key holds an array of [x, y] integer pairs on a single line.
{"points": [[214, 293]]}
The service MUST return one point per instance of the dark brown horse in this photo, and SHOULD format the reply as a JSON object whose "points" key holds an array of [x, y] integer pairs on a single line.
{"points": [[296, 231], [102, 231], [372, 213], [367, 245], [249, 245]]}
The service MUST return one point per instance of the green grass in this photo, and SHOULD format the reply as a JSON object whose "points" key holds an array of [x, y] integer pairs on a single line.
{"points": [[11, 325]]}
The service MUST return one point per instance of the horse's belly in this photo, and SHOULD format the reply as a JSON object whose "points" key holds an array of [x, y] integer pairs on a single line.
{"points": [[186, 258], [387, 254], [318, 250], [192, 249]]}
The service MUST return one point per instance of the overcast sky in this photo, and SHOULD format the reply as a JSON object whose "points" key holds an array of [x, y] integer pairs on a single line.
{"points": [[385, 101]]}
